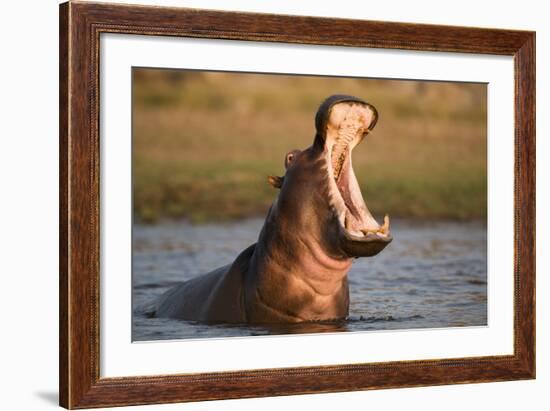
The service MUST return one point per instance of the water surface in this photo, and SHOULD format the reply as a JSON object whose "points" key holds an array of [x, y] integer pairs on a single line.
{"points": [[432, 275]]}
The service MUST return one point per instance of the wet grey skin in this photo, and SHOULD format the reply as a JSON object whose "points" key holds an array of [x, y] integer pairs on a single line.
{"points": [[316, 226]]}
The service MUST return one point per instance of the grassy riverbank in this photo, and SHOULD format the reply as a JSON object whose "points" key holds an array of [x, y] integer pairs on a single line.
{"points": [[204, 143]]}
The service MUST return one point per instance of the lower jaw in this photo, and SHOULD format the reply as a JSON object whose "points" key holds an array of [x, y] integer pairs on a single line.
{"points": [[355, 217]]}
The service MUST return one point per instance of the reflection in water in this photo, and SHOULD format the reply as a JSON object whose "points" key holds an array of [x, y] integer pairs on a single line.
{"points": [[432, 275]]}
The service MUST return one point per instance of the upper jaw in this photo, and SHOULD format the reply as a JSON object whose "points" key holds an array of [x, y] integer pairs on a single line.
{"points": [[346, 125]]}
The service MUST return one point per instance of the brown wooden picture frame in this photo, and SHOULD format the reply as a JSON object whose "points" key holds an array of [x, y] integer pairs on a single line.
{"points": [[80, 27]]}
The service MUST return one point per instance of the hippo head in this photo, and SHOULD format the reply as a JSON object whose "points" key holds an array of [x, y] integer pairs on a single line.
{"points": [[320, 198]]}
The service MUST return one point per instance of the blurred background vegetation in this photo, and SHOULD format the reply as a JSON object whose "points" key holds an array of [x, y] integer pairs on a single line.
{"points": [[205, 142]]}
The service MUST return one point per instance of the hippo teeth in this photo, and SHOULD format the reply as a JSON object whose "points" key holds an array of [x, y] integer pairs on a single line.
{"points": [[349, 130], [383, 230], [338, 163], [386, 226], [350, 223]]}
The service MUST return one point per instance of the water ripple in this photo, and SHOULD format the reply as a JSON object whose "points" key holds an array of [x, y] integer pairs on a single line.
{"points": [[431, 276]]}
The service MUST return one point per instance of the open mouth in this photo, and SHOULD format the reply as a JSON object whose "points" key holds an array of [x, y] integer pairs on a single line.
{"points": [[347, 125]]}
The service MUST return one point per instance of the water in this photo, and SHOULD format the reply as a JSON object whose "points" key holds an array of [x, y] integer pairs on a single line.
{"points": [[432, 275]]}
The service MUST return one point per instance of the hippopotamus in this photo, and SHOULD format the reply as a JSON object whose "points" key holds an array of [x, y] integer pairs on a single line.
{"points": [[317, 225]]}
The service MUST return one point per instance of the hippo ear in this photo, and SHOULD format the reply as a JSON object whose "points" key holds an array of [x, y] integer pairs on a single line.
{"points": [[290, 157], [275, 181]]}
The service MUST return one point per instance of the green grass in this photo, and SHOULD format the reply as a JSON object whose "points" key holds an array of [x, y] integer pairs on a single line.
{"points": [[204, 143]]}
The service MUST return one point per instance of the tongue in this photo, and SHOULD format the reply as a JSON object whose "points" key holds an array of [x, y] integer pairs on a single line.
{"points": [[353, 225]]}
